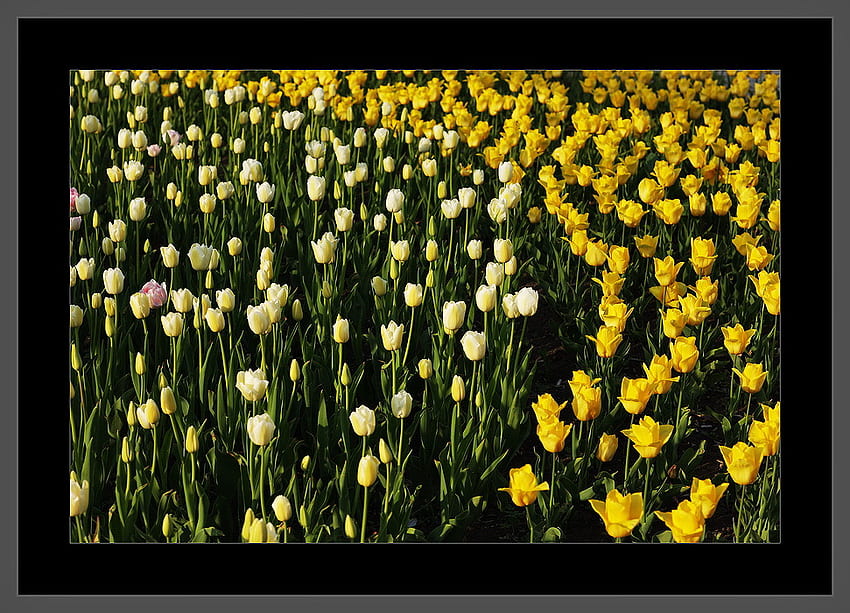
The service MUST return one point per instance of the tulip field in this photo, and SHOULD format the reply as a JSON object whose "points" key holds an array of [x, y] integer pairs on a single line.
{"points": [[424, 306]]}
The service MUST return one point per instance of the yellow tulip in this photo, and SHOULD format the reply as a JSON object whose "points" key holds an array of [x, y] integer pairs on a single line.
{"points": [[742, 462], [686, 522], [752, 378], [607, 339], [684, 353], [607, 447], [635, 394], [620, 513], [707, 495], [524, 487], [648, 436], [553, 435]]}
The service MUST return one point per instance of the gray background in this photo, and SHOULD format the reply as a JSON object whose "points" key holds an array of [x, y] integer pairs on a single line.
{"points": [[10, 259]]}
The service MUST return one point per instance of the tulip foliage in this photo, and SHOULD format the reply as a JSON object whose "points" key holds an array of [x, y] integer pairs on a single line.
{"points": [[306, 305]]}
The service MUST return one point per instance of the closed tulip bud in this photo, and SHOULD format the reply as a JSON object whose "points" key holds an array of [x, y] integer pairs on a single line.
{"points": [[96, 300], [494, 273], [297, 311], [474, 345], [367, 470], [191, 439], [406, 172], [432, 227], [315, 187], [384, 452], [485, 298], [426, 369], [399, 217], [167, 528], [126, 453], [401, 404], [260, 429], [458, 389], [379, 222], [247, 523], [607, 447], [140, 304], [109, 306], [362, 420], [506, 171], [140, 364], [216, 140], [431, 251]]}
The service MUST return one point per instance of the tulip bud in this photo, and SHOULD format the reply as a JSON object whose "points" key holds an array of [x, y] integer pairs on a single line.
{"points": [[76, 362], [345, 376], [247, 523], [384, 452], [166, 526], [297, 312], [109, 326], [76, 318], [282, 508], [191, 440], [350, 527], [429, 279], [458, 389], [96, 300], [431, 251], [442, 190], [140, 364], [126, 453], [379, 286], [305, 462], [167, 400], [474, 249], [367, 470], [294, 371]]}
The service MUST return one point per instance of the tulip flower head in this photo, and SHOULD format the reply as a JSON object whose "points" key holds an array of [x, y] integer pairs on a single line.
{"points": [[553, 435], [607, 447], [742, 462], [707, 495], [474, 345], [362, 420], [401, 404], [524, 487], [648, 436], [79, 496], [156, 293], [752, 377], [392, 335], [546, 408], [260, 429], [686, 522], [620, 513], [252, 383]]}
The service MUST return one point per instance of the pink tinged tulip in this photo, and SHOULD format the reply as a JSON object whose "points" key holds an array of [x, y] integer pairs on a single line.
{"points": [[174, 135], [74, 194], [156, 293], [75, 223], [153, 150]]}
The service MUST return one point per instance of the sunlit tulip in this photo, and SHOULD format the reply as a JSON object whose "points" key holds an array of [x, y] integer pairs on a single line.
{"points": [[485, 298], [553, 435], [587, 403], [526, 301], [113, 281], [454, 314], [394, 200], [607, 447], [503, 250], [765, 434], [362, 420], [260, 429], [413, 295], [474, 345], [200, 256], [523, 487], [646, 245], [607, 339], [401, 404], [648, 437], [684, 353], [686, 522], [474, 249], [620, 513], [458, 389], [258, 320], [79, 496], [705, 494], [367, 470], [752, 378], [252, 383], [742, 462], [546, 408], [392, 335], [635, 394]]}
